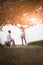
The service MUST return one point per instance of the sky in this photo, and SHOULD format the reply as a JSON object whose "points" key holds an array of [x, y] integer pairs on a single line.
{"points": [[32, 34]]}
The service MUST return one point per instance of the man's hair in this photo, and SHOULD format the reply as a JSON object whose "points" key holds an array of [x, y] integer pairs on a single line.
{"points": [[9, 31]]}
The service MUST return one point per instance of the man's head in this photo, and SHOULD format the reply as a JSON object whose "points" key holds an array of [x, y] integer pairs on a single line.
{"points": [[9, 31]]}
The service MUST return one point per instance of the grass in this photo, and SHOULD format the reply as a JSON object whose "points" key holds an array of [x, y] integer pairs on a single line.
{"points": [[23, 55], [36, 43]]}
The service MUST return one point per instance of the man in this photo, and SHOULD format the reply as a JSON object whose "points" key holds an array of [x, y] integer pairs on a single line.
{"points": [[10, 39]]}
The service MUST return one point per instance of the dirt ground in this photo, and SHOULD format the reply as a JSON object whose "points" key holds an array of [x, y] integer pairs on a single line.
{"points": [[22, 55]]}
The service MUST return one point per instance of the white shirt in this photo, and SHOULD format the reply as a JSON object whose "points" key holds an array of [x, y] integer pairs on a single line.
{"points": [[9, 38]]}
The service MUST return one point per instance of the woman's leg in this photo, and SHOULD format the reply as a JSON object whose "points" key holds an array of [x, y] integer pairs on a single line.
{"points": [[22, 41]]}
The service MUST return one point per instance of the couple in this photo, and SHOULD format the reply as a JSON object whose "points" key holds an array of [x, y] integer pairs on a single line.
{"points": [[10, 39]]}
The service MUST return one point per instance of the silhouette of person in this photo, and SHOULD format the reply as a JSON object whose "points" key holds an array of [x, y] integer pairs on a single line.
{"points": [[10, 39]]}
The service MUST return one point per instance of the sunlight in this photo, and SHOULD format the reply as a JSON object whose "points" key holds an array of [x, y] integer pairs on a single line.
{"points": [[34, 20]]}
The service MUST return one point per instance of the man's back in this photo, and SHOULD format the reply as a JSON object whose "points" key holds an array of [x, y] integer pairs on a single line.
{"points": [[9, 37]]}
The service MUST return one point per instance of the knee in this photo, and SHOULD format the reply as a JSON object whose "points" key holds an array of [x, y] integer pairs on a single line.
{"points": [[12, 40]]}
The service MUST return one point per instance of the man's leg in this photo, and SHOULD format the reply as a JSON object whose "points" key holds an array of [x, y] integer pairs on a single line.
{"points": [[13, 42]]}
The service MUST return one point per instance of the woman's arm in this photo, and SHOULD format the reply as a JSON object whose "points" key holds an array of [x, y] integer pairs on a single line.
{"points": [[30, 25], [17, 26]]}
